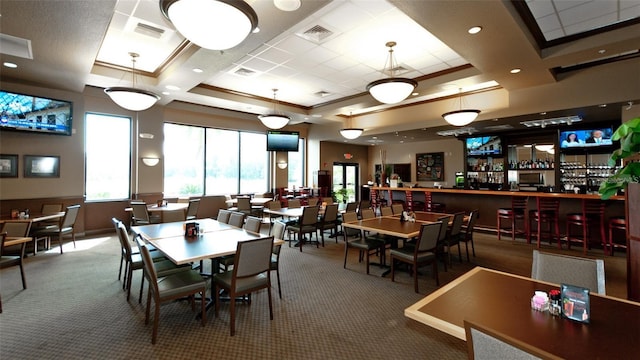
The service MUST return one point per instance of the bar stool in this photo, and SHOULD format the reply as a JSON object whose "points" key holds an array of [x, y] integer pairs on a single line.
{"points": [[592, 215], [546, 212], [617, 223], [429, 205], [517, 212]]}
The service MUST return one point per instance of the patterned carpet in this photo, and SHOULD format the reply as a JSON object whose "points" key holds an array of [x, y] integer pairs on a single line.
{"points": [[74, 308]]}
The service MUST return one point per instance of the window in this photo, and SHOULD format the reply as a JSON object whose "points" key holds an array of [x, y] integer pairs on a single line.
{"points": [[183, 160], [107, 157], [296, 166], [222, 162], [211, 161]]}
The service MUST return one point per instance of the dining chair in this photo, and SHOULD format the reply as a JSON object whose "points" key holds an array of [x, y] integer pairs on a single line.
{"points": [[484, 343], [329, 221], [236, 219], [468, 232], [223, 216], [274, 205], [50, 209], [65, 226], [244, 205], [397, 208], [250, 273], [307, 224], [12, 260], [171, 287], [141, 215], [183, 200], [424, 252], [133, 261], [366, 246], [253, 224], [277, 231], [19, 228], [564, 269], [351, 206], [192, 209], [386, 211], [294, 203], [173, 216], [312, 201], [592, 216], [454, 236]]}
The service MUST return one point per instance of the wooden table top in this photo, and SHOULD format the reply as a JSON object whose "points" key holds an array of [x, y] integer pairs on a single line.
{"points": [[501, 302], [35, 217], [388, 225], [168, 207], [254, 201], [290, 212], [173, 229], [217, 240]]}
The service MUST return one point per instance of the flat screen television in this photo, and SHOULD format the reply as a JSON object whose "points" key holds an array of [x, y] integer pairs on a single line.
{"points": [[484, 146], [282, 140], [587, 138], [29, 113]]}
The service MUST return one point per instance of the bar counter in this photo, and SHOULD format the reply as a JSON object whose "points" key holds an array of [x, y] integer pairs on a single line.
{"points": [[489, 201]]}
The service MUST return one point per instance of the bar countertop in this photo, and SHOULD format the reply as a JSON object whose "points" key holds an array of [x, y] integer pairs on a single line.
{"points": [[499, 193]]}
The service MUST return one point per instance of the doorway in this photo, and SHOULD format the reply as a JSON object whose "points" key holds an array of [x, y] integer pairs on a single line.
{"points": [[346, 176]]}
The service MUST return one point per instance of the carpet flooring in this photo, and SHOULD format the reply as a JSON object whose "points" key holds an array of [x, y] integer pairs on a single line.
{"points": [[75, 308]]}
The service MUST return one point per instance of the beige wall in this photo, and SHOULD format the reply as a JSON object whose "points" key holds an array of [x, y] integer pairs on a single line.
{"points": [[331, 152]]}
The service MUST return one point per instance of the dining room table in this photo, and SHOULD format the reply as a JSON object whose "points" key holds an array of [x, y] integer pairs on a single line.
{"points": [[502, 302], [255, 201], [35, 218]]}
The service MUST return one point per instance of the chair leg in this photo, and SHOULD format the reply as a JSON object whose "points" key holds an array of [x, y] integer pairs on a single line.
{"points": [[393, 268], [156, 320], [279, 288], [415, 276], [121, 261], [60, 242], [141, 287], [24, 281], [270, 302], [232, 301], [203, 306], [367, 262], [435, 271]]}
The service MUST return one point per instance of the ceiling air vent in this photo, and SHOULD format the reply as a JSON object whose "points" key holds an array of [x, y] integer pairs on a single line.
{"points": [[241, 71], [316, 34], [146, 29], [15, 46], [322, 93]]}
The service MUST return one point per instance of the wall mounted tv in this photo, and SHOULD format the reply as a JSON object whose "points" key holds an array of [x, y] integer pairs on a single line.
{"points": [[22, 112], [587, 138], [484, 146], [282, 140]]}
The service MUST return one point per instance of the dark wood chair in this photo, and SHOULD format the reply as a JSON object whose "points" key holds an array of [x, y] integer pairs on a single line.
{"points": [[468, 233], [547, 212], [592, 216], [366, 246], [424, 252], [518, 212], [617, 224]]}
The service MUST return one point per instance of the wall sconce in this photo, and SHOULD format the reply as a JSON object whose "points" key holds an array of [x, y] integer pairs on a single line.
{"points": [[282, 165], [150, 161]]}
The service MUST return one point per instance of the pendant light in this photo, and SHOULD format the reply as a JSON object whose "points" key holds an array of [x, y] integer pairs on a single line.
{"points": [[211, 24], [350, 132], [131, 98], [391, 90], [274, 120], [461, 117]]}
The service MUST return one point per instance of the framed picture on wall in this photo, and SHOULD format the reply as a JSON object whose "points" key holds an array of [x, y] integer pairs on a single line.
{"points": [[8, 165], [41, 166], [430, 166]]}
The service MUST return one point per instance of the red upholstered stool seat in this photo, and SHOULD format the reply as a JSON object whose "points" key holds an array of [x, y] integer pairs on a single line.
{"points": [[591, 217], [517, 212], [617, 224]]}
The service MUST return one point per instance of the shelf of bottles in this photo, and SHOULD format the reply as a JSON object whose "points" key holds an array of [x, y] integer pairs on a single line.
{"points": [[538, 164], [585, 172], [485, 173]]}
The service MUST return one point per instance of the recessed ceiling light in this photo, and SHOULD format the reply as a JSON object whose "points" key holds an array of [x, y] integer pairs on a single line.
{"points": [[543, 113], [198, 70], [602, 51], [602, 105], [166, 93], [474, 30], [10, 65], [375, 138], [317, 115], [515, 71], [172, 87], [415, 94]]}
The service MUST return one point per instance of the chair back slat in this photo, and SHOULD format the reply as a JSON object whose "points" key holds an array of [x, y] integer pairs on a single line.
{"points": [[545, 204], [253, 257], [519, 202]]}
